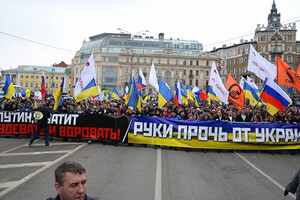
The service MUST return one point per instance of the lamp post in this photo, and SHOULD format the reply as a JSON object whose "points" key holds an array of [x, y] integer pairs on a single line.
{"points": [[132, 38]]}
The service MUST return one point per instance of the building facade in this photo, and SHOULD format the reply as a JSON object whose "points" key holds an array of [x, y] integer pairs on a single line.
{"points": [[118, 55], [270, 40], [30, 77]]}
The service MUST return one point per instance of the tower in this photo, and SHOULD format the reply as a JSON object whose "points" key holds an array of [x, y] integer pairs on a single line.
{"points": [[274, 17]]}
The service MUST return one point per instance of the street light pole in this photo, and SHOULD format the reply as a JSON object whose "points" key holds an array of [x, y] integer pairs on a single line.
{"points": [[132, 40]]}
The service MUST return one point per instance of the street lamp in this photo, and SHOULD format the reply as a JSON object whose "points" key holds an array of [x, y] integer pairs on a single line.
{"points": [[132, 38]]}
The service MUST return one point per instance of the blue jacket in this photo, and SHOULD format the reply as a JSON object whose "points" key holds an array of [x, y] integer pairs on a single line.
{"points": [[177, 117]]}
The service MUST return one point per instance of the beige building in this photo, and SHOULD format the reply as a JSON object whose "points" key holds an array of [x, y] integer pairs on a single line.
{"points": [[30, 77], [181, 60], [270, 40]]}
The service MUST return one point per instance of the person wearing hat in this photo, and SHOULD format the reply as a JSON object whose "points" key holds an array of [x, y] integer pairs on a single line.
{"points": [[190, 117], [42, 124], [24, 107], [174, 115]]}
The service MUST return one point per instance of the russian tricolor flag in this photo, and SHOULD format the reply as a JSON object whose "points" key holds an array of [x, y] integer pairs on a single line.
{"points": [[141, 81], [177, 98], [43, 92], [275, 95], [199, 93]]}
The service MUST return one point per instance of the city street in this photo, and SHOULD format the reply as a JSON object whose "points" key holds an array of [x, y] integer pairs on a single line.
{"points": [[139, 173]]}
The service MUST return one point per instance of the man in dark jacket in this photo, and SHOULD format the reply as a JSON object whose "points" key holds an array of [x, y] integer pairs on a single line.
{"points": [[294, 186], [42, 123], [70, 182], [243, 117]]}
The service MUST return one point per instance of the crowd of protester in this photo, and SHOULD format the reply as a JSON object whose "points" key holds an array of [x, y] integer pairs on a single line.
{"points": [[202, 112]]}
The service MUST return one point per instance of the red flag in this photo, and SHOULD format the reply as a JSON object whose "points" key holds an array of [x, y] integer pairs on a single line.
{"points": [[236, 93], [286, 75]]}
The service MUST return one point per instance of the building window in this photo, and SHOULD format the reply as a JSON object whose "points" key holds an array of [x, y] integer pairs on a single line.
{"points": [[247, 50], [110, 59], [272, 58], [184, 62], [31, 76], [168, 78], [191, 71], [273, 48], [21, 83], [27, 77], [289, 58], [138, 59], [263, 48], [184, 72], [241, 69], [168, 61], [207, 63], [191, 62], [196, 83], [159, 60], [176, 72], [298, 48], [197, 62], [151, 60], [36, 84], [21, 76], [36, 77], [207, 73], [126, 69], [158, 71], [57, 78], [278, 48], [46, 77], [109, 77], [191, 81], [241, 60], [31, 84], [289, 49], [56, 85], [127, 59], [197, 72], [145, 60], [177, 60]]}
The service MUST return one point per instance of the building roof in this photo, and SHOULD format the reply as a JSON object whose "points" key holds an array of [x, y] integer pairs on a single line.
{"points": [[35, 69], [115, 42]]}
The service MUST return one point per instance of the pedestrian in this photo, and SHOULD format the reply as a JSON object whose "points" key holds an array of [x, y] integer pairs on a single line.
{"points": [[42, 124], [294, 186], [70, 182]]}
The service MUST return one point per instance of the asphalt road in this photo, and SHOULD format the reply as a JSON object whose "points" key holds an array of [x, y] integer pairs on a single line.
{"points": [[139, 173]]}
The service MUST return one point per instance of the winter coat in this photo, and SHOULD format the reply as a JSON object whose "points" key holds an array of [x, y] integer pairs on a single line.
{"points": [[294, 185]]}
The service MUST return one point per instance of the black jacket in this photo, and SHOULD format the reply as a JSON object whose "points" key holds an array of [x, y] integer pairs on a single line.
{"points": [[294, 185], [46, 114], [240, 119]]}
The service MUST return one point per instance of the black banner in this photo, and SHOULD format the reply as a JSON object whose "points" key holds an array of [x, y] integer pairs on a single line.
{"points": [[104, 127]]}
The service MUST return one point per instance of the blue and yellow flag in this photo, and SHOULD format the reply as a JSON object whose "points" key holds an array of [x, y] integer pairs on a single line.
{"points": [[133, 98], [9, 89], [183, 94], [115, 94], [190, 95], [58, 95], [250, 94], [165, 94], [212, 96], [108, 95]]}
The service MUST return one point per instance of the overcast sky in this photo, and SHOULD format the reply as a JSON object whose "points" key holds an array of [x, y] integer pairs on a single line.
{"points": [[66, 23]]}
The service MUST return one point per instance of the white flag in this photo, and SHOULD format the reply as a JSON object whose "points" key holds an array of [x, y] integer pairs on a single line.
{"points": [[260, 66], [153, 78], [251, 83], [242, 81], [216, 83], [87, 81]]}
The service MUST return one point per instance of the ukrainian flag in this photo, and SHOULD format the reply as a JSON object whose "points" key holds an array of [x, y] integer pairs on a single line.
{"points": [[133, 98], [108, 95], [9, 89], [115, 94], [250, 94], [58, 95], [212, 96], [90, 90], [190, 95], [183, 94], [165, 94]]}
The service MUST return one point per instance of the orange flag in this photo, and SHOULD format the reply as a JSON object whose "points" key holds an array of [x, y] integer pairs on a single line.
{"points": [[298, 70], [236, 93], [286, 75]]}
